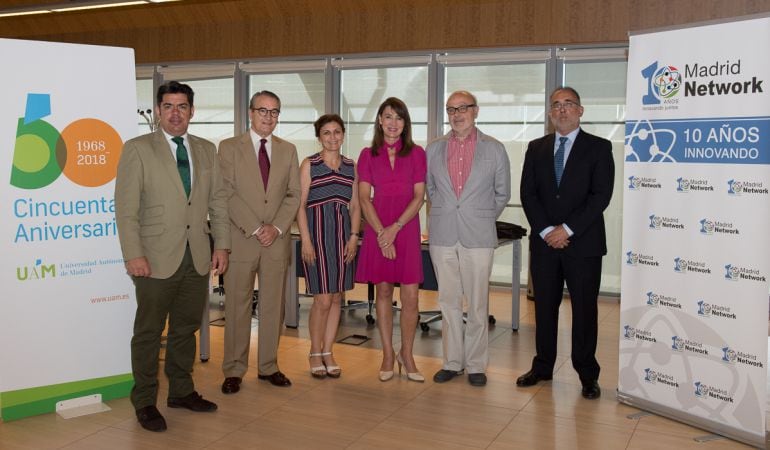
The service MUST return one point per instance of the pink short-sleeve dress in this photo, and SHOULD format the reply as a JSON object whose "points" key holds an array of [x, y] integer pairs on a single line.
{"points": [[393, 190]]}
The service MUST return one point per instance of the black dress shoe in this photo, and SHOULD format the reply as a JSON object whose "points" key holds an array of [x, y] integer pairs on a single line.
{"points": [[193, 401], [231, 385], [591, 390], [150, 419], [477, 379], [276, 379], [444, 375], [531, 378]]}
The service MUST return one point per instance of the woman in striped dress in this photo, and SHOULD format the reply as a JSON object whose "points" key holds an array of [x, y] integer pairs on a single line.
{"points": [[329, 218]]}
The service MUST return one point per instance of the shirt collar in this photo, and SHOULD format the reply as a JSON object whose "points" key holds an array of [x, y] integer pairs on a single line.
{"points": [[255, 137], [472, 136], [571, 136], [169, 137]]}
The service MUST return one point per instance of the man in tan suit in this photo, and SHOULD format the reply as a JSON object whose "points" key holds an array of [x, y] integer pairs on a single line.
{"points": [[261, 174], [168, 182]]}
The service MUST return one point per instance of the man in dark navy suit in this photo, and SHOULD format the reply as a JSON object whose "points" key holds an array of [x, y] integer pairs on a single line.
{"points": [[566, 184]]}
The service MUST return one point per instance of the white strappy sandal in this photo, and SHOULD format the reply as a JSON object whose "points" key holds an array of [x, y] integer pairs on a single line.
{"points": [[318, 371], [332, 371]]}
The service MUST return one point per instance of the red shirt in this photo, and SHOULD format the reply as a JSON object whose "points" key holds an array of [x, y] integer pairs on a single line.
{"points": [[460, 159]]}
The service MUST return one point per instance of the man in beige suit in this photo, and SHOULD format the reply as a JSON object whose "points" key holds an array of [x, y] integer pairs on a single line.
{"points": [[261, 174], [168, 182]]}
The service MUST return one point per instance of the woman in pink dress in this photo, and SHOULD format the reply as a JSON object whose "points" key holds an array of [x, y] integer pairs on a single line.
{"points": [[393, 170]]}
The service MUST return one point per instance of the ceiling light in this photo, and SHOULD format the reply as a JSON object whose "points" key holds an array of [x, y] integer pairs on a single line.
{"points": [[77, 5]]}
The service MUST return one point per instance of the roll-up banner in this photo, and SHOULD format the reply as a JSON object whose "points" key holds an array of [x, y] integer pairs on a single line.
{"points": [[696, 233], [67, 306]]}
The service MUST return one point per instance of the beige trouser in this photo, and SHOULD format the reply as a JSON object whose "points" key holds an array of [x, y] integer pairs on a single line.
{"points": [[464, 272], [239, 287]]}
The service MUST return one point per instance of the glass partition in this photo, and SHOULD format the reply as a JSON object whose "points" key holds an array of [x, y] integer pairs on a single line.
{"points": [[214, 109], [511, 85], [145, 102], [363, 90], [302, 97], [602, 88]]}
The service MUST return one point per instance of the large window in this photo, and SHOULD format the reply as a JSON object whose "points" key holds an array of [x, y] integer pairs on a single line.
{"points": [[302, 97], [602, 87], [364, 89], [511, 86], [214, 109], [145, 104], [214, 87]]}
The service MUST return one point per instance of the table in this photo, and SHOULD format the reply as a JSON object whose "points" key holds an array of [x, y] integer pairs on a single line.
{"points": [[291, 318]]}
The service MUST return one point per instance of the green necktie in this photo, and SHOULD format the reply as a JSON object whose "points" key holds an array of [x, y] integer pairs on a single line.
{"points": [[182, 163]]}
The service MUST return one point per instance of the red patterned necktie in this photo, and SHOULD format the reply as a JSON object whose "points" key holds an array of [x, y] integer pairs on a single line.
{"points": [[264, 162]]}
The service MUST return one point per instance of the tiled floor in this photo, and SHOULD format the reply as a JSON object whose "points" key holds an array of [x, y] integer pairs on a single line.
{"points": [[359, 412]]}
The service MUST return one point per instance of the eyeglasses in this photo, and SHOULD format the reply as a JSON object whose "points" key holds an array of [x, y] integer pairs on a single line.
{"points": [[264, 111], [567, 106], [451, 110]]}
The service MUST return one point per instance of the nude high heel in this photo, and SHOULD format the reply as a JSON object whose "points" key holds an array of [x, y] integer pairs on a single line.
{"points": [[411, 376], [386, 375]]}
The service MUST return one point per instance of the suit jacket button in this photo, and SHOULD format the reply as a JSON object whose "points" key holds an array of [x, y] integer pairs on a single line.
{"points": [[558, 196], [265, 201], [188, 227]]}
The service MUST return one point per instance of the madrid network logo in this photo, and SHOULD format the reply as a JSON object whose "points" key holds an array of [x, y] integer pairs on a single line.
{"points": [[677, 343], [655, 221], [706, 226], [632, 258], [729, 354], [663, 82], [701, 390], [704, 309], [650, 375], [731, 272], [734, 187], [86, 151]]}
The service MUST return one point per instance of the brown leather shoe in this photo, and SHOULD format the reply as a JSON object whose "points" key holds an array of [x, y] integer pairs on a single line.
{"points": [[192, 401], [150, 418], [231, 385], [276, 379]]}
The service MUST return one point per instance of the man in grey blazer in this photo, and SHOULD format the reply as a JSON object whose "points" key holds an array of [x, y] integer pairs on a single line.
{"points": [[168, 188], [468, 185]]}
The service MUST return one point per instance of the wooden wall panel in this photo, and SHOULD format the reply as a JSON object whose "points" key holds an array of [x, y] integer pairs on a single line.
{"points": [[247, 29]]}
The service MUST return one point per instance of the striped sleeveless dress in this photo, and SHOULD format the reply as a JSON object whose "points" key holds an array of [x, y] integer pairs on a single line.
{"points": [[329, 223]]}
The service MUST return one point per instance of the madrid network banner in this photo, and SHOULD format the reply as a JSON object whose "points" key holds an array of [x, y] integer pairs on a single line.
{"points": [[67, 304], [694, 308]]}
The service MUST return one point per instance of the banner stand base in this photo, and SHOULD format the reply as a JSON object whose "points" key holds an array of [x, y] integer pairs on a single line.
{"points": [[81, 406], [708, 438], [648, 406], [638, 415]]}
